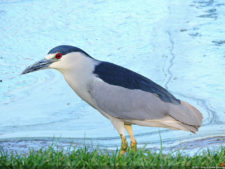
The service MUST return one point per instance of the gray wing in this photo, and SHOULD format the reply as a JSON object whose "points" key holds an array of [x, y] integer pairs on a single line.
{"points": [[126, 103], [125, 94]]}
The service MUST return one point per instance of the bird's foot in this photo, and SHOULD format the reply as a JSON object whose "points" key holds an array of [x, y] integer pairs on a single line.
{"points": [[123, 145], [133, 145]]}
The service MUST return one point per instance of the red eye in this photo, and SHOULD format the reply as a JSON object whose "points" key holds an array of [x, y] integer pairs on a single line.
{"points": [[58, 55]]}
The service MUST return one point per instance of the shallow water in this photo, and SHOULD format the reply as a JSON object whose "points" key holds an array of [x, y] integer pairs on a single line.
{"points": [[179, 45]]}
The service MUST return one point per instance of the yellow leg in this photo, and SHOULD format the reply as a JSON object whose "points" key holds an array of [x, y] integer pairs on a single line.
{"points": [[133, 144], [119, 125], [123, 145]]}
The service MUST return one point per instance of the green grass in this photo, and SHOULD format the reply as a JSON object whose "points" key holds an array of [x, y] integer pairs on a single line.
{"points": [[83, 158]]}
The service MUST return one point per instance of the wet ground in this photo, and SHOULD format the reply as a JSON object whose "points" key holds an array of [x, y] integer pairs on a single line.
{"points": [[178, 44]]}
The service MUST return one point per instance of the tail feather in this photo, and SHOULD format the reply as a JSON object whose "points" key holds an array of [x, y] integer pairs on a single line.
{"points": [[180, 117], [196, 111], [188, 115], [190, 128], [167, 122]]}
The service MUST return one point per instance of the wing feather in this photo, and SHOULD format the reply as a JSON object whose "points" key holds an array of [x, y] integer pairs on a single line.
{"points": [[120, 76], [124, 103], [128, 95]]}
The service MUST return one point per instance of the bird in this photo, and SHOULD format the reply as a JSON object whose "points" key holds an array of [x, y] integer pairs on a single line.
{"points": [[123, 96]]}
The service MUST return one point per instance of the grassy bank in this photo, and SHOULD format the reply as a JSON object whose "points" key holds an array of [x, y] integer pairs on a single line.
{"points": [[83, 158]]}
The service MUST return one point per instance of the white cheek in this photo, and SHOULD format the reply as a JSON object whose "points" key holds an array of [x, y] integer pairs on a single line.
{"points": [[61, 64], [75, 62]]}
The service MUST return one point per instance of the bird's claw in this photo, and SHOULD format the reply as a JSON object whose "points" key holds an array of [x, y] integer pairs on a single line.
{"points": [[123, 145], [133, 145]]}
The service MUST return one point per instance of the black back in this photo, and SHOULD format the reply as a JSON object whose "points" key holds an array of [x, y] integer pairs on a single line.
{"points": [[119, 76]]}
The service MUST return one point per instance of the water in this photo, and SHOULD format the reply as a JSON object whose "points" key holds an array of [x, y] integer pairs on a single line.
{"points": [[178, 44]]}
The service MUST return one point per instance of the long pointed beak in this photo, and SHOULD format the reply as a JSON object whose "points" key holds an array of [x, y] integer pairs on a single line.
{"points": [[42, 64]]}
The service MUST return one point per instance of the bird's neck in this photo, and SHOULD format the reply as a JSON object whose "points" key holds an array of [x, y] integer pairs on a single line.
{"points": [[80, 76]]}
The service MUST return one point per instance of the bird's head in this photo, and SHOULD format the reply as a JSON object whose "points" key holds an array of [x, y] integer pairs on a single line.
{"points": [[61, 58]]}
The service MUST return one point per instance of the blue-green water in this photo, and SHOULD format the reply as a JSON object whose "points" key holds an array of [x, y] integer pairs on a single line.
{"points": [[178, 44]]}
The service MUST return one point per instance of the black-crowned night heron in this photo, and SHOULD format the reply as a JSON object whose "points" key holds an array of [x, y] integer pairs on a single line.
{"points": [[121, 95]]}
